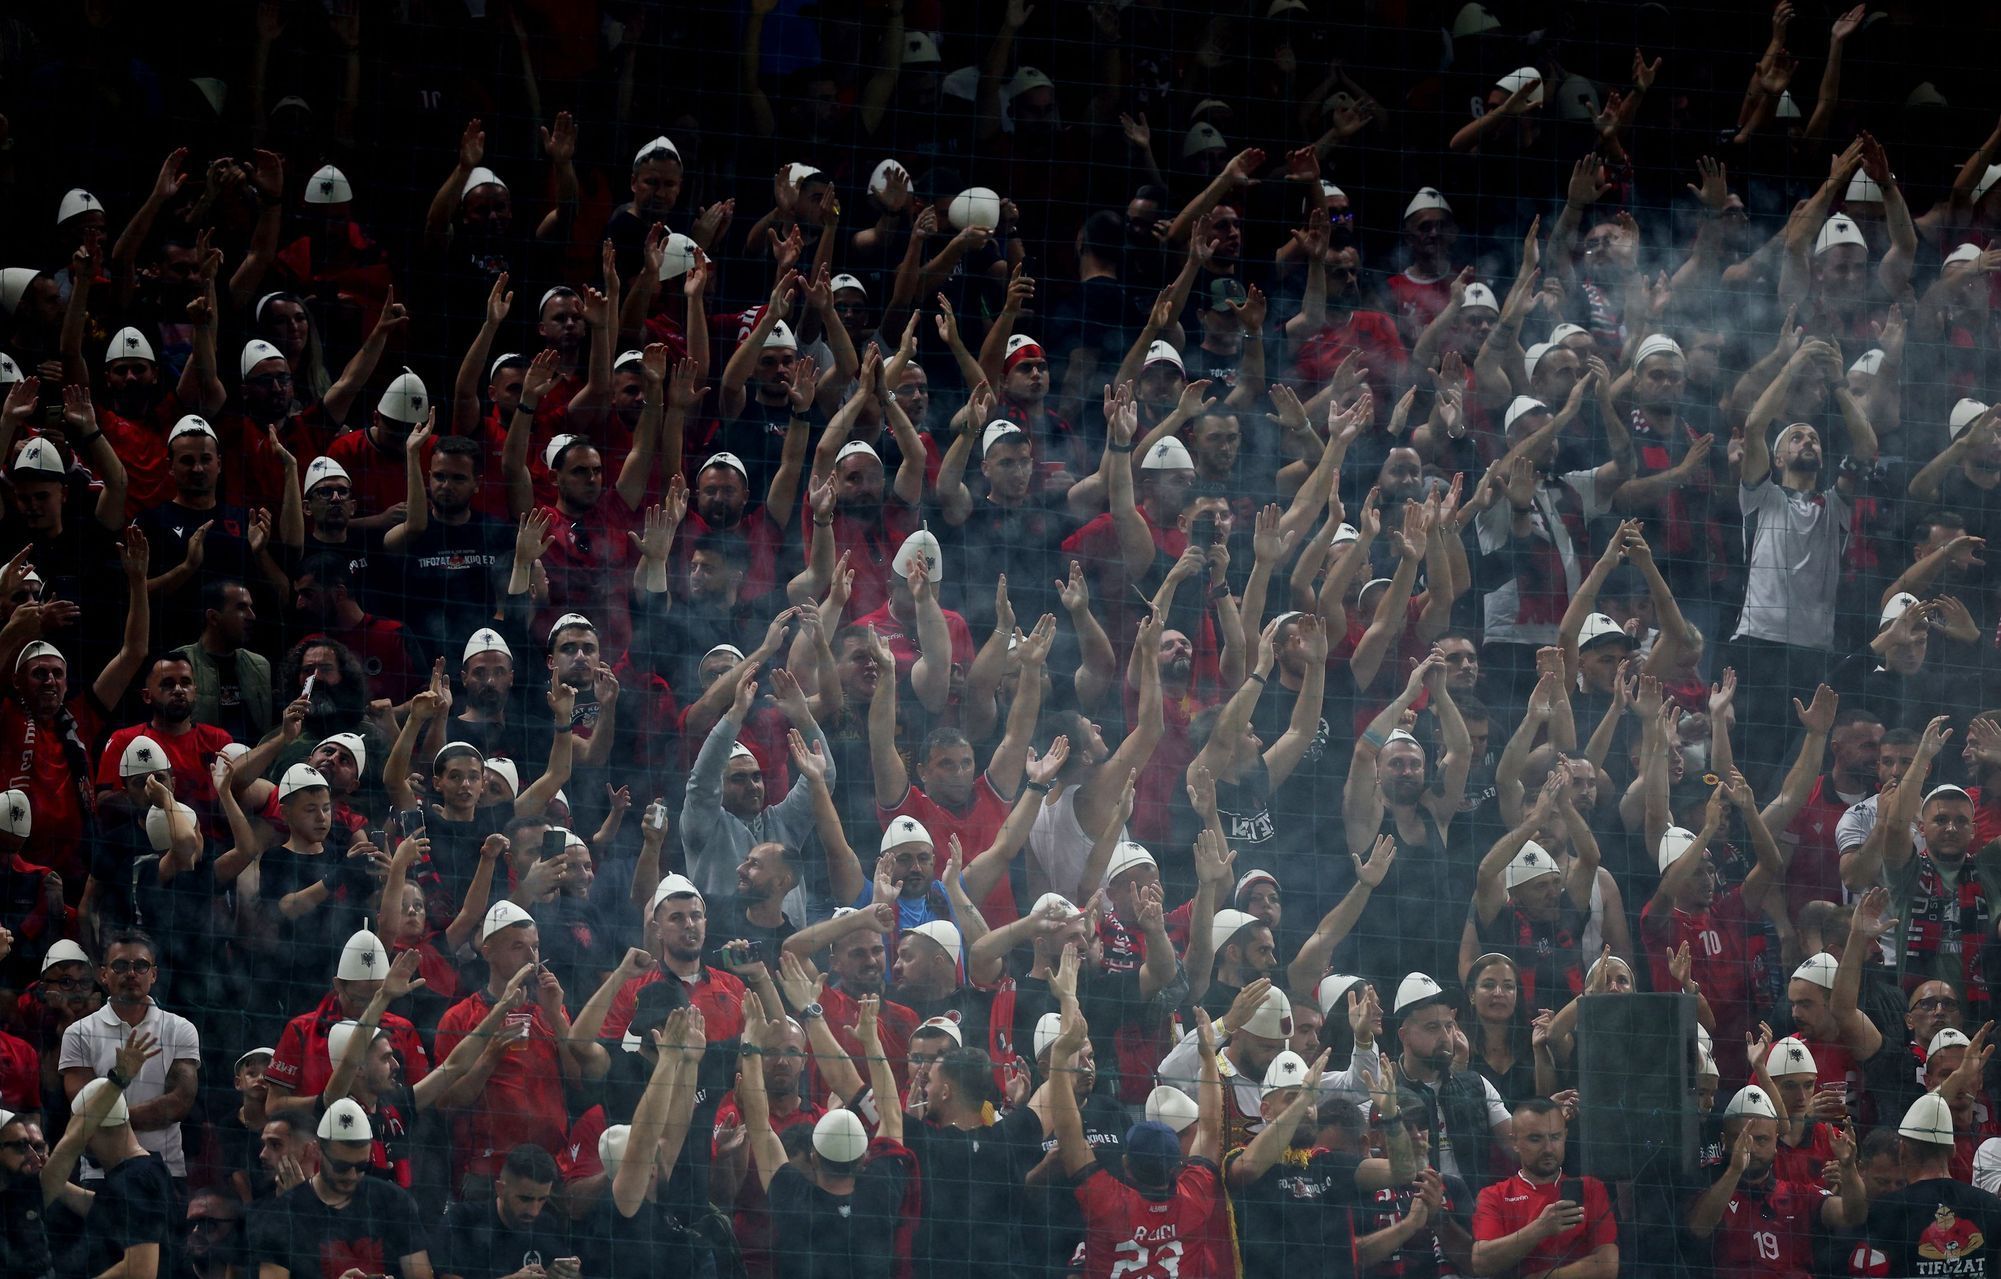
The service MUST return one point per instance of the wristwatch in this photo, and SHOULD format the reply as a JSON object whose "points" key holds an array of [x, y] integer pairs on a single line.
{"points": [[812, 1011], [118, 1080]]}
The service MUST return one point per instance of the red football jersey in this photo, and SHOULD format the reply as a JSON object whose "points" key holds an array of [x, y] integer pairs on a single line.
{"points": [[1134, 1237]]}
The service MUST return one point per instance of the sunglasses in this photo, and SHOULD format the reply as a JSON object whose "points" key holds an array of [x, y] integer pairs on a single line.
{"points": [[341, 1166], [124, 966]]}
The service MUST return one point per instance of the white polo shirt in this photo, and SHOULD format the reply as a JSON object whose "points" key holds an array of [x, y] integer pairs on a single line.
{"points": [[95, 1041]]}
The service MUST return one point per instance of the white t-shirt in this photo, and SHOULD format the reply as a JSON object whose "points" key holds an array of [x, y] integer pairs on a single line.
{"points": [[1501, 607], [1793, 543], [95, 1041]]}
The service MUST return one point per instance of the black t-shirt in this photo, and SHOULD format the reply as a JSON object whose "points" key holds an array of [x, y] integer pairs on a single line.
{"points": [[1293, 1218], [1047, 1219], [965, 1180], [818, 1235], [451, 580], [133, 1207], [230, 713], [24, 1242], [474, 1243], [1936, 1227], [311, 1239], [649, 1244]]}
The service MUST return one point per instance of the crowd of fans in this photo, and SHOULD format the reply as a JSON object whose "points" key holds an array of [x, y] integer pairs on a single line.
{"points": [[1183, 617]]}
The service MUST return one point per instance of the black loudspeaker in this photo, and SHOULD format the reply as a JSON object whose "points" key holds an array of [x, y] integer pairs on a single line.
{"points": [[1635, 1081]]}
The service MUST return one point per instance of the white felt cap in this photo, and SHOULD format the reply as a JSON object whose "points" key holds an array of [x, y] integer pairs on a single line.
{"points": [[1426, 198], [17, 814], [129, 344], [1171, 1106], [1675, 841], [878, 182], [656, 148], [1226, 924], [1818, 969], [363, 958], [485, 640], [572, 619], [1598, 626], [856, 448], [1479, 295], [1047, 1028], [919, 50], [1415, 989], [328, 185], [158, 833], [1947, 1038], [1161, 352], [76, 200], [1203, 137], [1273, 1017], [1837, 230], [1532, 863], [345, 1120], [920, 546], [672, 886], [14, 282], [39, 648], [943, 1025], [1519, 77], [300, 777], [503, 768], [905, 830], [321, 469], [38, 456], [479, 177], [944, 933], [354, 744], [999, 429], [1791, 1056], [1655, 344], [611, 1145], [974, 206], [1026, 79], [64, 952], [1332, 992], [781, 337], [141, 756], [255, 352], [191, 424], [1869, 362], [677, 254], [1928, 1120], [1169, 454], [839, 1137], [502, 915], [117, 1117], [1521, 405], [1126, 855], [1964, 414], [1287, 1070], [1751, 1101], [1895, 607], [406, 400]]}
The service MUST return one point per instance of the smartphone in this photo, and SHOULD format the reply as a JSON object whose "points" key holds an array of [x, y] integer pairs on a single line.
{"points": [[656, 816], [411, 822], [379, 838], [311, 680], [553, 844], [1202, 530]]}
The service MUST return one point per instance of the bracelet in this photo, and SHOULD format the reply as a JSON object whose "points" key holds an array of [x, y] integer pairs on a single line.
{"points": [[118, 1079], [85, 441], [1114, 448], [566, 728], [1254, 675], [1373, 738], [749, 1050], [1040, 788], [1219, 590], [826, 523], [523, 406]]}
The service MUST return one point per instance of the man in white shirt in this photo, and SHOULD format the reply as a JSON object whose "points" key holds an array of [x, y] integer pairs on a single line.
{"points": [[163, 1091], [1532, 537], [1796, 523]]}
